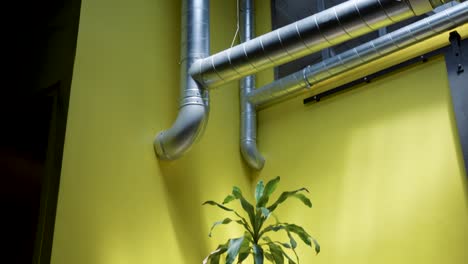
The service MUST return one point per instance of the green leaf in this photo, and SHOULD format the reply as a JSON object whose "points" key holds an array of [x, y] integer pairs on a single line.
{"points": [[244, 249], [219, 205], [290, 260], [244, 222], [304, 199], [225, 221], [268, 239], [259, 191], [261, 216], [283, 197], [228, 199], [258, 254], [270, 187], [233, 249], [293, 244], [265, 212], [277, 253], [245, 205], [317, 245], [299, 231], [213, 257], [269, 257], [285, 245]]}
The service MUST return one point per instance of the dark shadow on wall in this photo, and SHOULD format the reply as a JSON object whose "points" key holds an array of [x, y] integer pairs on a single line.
{"points": [[458, 148], [183, 196]]}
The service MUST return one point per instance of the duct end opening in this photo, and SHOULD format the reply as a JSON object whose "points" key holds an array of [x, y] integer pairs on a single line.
{"points": [[158, 147], [251, 154], [174, 142]]}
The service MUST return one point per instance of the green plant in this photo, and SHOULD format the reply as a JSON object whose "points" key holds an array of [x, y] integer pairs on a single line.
{"points": [[254, 241]]}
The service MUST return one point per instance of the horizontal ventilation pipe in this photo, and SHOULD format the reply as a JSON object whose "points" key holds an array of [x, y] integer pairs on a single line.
{"points": [[365, 53], [193, 106], [248, 122], [311, 34]]}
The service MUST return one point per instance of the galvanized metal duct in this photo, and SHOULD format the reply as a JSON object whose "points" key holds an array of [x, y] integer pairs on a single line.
{"points": [[365, 53], [314, 33], [248, 122], [193, 106]]}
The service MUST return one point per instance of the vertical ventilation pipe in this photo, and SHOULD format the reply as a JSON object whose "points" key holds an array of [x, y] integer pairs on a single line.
{"points": [[248, 122], [311, 34], [301, 81], [193, 106]]}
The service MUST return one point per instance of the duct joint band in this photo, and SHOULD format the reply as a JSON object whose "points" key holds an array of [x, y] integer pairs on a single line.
{"points": [[304, 76]]}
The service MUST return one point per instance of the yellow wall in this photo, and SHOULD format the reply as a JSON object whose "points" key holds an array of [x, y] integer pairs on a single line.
{"points": [[383, 166], [117, 203]]}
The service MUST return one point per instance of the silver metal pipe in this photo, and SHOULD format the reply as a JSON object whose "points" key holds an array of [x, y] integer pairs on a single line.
{"points": [[302, 80], [248, 122], [314, 33], [193, 106]]}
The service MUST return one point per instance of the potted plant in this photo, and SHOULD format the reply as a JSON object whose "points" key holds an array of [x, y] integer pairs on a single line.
{"points": [[255, 240]]}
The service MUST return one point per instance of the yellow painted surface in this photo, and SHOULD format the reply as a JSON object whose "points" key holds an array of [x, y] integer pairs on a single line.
{"points": [[117, 203], [382, 163]]}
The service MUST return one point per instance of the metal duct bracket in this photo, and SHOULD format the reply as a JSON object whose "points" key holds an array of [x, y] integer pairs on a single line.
{"points": [[455, 58], [367, 79], [455, 41]]}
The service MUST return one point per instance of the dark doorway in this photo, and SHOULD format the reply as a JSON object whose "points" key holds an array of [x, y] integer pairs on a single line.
{"points": [[41, 42], [23, 154]]}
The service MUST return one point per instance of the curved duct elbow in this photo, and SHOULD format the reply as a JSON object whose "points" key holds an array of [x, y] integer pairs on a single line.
{"points": [[248, 123], [248, 126], [251, 154], [193, 112], [174, 142]]}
